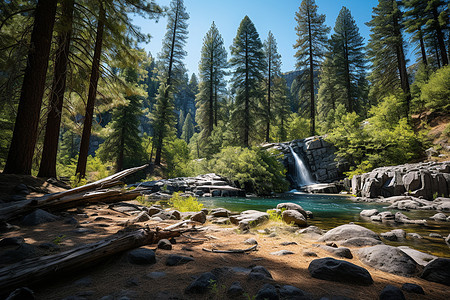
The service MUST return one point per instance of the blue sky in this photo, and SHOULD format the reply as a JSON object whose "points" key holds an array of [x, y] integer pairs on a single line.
{"points": [[267, 15]]}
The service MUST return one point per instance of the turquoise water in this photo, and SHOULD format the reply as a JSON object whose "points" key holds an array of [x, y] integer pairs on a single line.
{"points": [[334, 210]]}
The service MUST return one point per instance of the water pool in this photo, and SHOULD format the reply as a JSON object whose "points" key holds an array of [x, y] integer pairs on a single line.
{"points": [[334, 210]]}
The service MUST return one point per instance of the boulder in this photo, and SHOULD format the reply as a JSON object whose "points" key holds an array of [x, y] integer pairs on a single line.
{"points": [[438, 271], [439, 217], [412, 181], [391, 292], [142, 256], [420, 257], [371, 188], [360, 242], [199, 217], [413, 288], [340, 252], [267, 292], [292, 206], [202, 284], [389, 259], [401, 218], [235, 290], [394, 235], [294, 217], [165, 244], [153, 210], [37, 217], [282, 253], [220, 212], [386, 216], [348, 231], [249, 218], [259, 273], [339, 270], [292, 292], [368, 212], [23, 251], [176, 260]]}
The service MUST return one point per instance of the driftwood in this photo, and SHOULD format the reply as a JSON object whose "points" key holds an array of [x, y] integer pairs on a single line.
{"points": [[232, 250], [89, 193], [45, 268]]}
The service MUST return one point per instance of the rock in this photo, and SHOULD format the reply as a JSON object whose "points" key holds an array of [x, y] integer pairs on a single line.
{"points": [[282, 253], [292, 292], [389, 259], [21, 189], [202, 284], [142, 256], [413, 288], [447, 239], [199, 217], [12, 241], [438, 271], [414, 235], [259, 273], [294, 217], [83, 230], [391, 292], [401, 218], [360, 242], [310, 230], [339, 270], [22, 252], [288, 243], [267, 292], [37, 217], [309, 214], [176, 260], [341, 252], [251, 241], [156, 275], [292, 206], [371, 188], [435, 235], [22, 293], [308, 253], [176, 214], [368, 212], [445, 206], [249, 218], [142, 217], [153, 210], [165, 244], [71, 221], [348, 231], [439, 217], [394, 235], [386, 216], [420, 257], [220, 212], [235, 290]]}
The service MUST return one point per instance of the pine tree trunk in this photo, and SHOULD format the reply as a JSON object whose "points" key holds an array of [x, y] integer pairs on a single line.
{"points": [[49, 153], [216, 105], [422, 48], [268, 101], [95, 74], [121, 150], [211, 98], [440, 37], [347, 75], [311, 79], [21, 150], [247, 96]]}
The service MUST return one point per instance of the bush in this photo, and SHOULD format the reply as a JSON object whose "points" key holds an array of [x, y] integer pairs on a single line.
{"points": [[436, 93], [184, 204]]}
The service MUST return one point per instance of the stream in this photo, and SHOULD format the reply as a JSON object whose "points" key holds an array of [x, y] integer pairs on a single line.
{"points": [[333, 210]]}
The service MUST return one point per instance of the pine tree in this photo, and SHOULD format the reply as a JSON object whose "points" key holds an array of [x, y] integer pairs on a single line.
{"points": [[273, 70], [249, 65], [330, 92], [171, 70], [437, 23], [386, 52], [21, 150], [188, 128], [212, 67], [415, 23], [310, 45], [123, 146], [348, 58], [281, 106]]}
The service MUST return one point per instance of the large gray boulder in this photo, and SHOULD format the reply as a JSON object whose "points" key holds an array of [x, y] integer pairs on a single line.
{"points": [[294, 217], [339, 270], [389, 259], [348, 231], [249, 218], [438, 271], [371, 188], [420, 257], [292, 206]]}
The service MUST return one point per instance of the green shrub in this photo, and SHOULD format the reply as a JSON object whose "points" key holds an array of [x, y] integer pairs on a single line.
{"points": [[436, 93], [184, 204]]}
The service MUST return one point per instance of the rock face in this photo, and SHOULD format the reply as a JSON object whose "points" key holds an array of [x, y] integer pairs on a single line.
{"points": [[339, 270], [419, 180], [348, 231], [438, 271], [389, 259]]}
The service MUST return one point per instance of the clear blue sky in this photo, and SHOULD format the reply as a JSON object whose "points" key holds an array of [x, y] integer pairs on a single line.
{"points": [[267, 15]]}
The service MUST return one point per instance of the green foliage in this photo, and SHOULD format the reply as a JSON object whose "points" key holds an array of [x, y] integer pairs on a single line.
{"points": [[59, 239], [275, 216], [255, 169], [184, 204], [188, 128], [297, 128], [96, 170], [446, 131], [436, 93], [176, 156]]}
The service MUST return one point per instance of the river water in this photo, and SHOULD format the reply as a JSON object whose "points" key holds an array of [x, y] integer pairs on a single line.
{"points": [[334, 210]]}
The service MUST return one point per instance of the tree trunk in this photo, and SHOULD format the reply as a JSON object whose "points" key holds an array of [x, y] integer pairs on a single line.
{"points": [[311, 80], [95, 74], [48, 160], [21, 150], [268, 100], [422, 48], [440, 37], [347, 75], [246, 96], [211, 96]]}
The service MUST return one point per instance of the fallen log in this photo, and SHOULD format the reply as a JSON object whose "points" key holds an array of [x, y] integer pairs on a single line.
{"points": [[44, 268], [231, 251], [88, 193]]}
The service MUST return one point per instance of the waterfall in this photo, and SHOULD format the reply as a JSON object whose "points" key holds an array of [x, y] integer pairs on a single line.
{"points": [[303, 177]]}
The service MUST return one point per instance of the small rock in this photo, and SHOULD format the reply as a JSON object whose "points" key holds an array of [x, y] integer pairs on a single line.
{"points": [[338, 252], [267, 292], [155, 275], [292, 292], [438, 271], [413, 288], [199, 217], [309, 214], [360, 242], [309, 253], [368, 213], [288, 243], [22, 293], [439, 217], [220, 212], [435, 235], [282, 253], [165, 244], [250, 241], [202, 284], [259, 273], [339, 270], [142, 256], [331, 244], [235, 290], [414, 235], [176, 214], [176, 260], [12, 241], [394, 235], [391, 292], [153, 210], [71, 221], [37, 217]]}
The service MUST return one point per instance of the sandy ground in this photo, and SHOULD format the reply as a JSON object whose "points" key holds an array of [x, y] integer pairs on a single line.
{"points": [[116, 276]]}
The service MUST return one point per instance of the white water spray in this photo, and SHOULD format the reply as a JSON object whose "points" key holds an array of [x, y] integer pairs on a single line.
{"points": [[303, 177]]}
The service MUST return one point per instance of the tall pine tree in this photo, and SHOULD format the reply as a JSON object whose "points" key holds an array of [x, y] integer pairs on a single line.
{"points": [[249, 65], [212, 67], [171, 69], [311, 44]]}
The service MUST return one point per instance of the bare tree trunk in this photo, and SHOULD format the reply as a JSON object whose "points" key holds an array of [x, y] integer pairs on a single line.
{"points": [[311, 80], [440, 37], [21, 150], [422, 48], [48, 160], [95, 74]]}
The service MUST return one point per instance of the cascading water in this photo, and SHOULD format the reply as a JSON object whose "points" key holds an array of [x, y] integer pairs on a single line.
{"points": [[302, 175]]}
